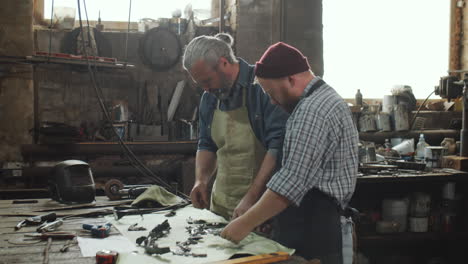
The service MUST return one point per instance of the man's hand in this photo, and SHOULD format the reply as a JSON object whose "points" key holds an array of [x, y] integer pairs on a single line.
{"points": [[243, 206], [199, 195], [237, 230]]}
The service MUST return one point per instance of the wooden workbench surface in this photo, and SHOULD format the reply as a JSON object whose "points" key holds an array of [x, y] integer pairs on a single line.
{"points": [[15, 249]]}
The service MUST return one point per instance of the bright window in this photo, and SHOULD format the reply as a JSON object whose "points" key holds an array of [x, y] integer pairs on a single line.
{"points": [[117, 10], [373, 45]]}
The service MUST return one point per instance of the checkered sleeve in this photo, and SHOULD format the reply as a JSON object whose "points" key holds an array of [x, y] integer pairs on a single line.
{"points": [[307, 146]]}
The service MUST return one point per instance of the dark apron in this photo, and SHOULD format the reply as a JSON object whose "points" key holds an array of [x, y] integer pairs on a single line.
{"points": [[313, 228]]}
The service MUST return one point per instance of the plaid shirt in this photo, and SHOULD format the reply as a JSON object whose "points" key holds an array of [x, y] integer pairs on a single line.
{"points": [[320, 148]]}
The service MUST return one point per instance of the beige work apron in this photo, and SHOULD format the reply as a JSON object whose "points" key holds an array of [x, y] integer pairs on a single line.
{"points": [[239, 157]]}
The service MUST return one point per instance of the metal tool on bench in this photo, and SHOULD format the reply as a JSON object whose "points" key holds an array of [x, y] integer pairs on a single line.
{"points": [[99, 231], [54, 235], [36, 220], [121, 211], [116, 190], [49, 226]]}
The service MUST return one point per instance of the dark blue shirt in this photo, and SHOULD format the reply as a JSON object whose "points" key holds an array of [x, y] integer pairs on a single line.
{"points": [[267, 120]]}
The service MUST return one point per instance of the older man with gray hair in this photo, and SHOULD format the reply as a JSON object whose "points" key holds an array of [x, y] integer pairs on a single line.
{"points": [[241, 132]]}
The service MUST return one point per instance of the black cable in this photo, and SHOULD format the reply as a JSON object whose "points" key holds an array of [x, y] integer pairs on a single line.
{"points": [[104, 108], [419, 109], [130, 155]]}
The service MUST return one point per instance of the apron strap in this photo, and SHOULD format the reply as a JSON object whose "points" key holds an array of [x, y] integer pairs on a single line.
{"points": [[314, 87]]}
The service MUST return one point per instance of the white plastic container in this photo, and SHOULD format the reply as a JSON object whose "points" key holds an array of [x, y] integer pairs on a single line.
{"points": [[395, 210], [405, 148]]}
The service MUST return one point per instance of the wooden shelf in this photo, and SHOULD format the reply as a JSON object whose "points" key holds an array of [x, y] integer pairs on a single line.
{"points": [[411, 238], [43, 59]]}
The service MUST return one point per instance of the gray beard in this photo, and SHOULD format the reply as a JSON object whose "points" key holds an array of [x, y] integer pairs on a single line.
{"points": [[225, 90]]}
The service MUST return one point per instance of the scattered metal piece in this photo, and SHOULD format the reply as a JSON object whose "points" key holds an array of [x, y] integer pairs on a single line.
{"points": [[49, 226], [157, 250], [68, 244], [149, 242], [197, 222], [170, 214], [135, 227], [140, 240]]}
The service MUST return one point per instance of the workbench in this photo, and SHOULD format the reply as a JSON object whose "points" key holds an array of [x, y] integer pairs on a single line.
{"points": [[15, 249]]}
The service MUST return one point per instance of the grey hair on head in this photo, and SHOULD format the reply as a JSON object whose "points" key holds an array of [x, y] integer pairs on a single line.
{"points": [[209, 49]]}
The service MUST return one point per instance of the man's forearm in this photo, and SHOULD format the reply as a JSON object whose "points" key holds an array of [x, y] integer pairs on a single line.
{"points": [[269, 205], [263, 176], [205, 166]]}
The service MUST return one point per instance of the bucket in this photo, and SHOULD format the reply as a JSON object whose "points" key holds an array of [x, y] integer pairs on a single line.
{"points": [[395, 210], [433, 156], [367, 123], [420, 205], [383, 122], [418, 224], [401, 117], [387, 103]]}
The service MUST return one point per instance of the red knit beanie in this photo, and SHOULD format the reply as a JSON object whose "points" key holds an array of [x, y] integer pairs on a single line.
{"points": [[281, 60]]}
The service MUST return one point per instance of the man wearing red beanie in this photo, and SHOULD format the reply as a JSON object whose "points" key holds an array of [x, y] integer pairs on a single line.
{"points": [[319, 168], [241, 132]]}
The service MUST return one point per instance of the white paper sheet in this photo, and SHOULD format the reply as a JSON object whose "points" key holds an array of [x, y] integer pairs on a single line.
{"points": [[215, 247], [89, 246]]}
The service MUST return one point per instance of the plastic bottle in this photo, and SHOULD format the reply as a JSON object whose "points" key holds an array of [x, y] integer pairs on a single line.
{"points": [[358, 98], [387, 145], [420, 147]]}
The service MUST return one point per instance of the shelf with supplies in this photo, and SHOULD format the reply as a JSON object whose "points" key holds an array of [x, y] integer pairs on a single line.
{"points": [[417, 215], [437, 175]]}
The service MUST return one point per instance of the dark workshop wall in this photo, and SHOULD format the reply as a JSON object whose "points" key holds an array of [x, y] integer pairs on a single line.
{"points": [[16, 83], [261, 23], [66, 94]]}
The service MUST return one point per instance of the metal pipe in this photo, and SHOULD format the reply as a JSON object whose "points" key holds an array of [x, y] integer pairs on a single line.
{"points": [[221, 16], [464, 130]]}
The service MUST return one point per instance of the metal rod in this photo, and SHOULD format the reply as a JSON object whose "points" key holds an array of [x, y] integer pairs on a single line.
{"points": [[464, 131], [221, 16]]}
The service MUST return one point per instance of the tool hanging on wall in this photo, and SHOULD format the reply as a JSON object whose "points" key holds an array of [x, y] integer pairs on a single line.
{"points": [[160, 49]]}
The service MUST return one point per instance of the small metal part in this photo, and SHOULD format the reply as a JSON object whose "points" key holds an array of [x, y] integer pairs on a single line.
{"points": [[170, 214], [157, 250], [112, 189], [50, 226], [135, 227], [140, 240], [68, 244]]}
